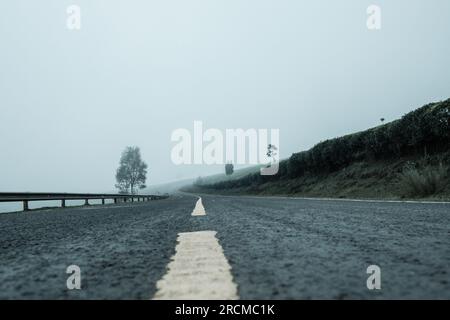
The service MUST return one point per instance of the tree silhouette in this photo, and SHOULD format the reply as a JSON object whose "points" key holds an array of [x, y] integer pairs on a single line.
{"points": [[132, 171], [229, 169], [271, 151]]}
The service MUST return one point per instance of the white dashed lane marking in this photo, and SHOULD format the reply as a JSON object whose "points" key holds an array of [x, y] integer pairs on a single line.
{"points": [[198, 271], [199, 210]]}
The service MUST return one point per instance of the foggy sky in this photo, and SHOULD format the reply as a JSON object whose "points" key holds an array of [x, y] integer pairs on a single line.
{"points": [[71, 101]]}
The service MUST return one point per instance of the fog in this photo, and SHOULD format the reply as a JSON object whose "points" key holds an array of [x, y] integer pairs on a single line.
{"points": [[72, 100]]}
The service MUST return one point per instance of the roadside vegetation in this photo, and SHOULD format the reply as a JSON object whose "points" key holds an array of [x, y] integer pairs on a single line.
{"points": [[408, 157], [424, 181]]}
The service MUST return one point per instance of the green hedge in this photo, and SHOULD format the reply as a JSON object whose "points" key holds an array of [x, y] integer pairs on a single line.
{"points": [[425, 130]]}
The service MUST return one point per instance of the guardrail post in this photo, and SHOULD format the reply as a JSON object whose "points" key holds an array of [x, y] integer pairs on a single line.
{"points": [[86, 202], [103, 200], [115, 200], [25, 205], [63, 203]]}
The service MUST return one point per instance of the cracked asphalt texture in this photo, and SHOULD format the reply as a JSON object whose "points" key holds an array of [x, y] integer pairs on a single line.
{"points": [[279, 248]]}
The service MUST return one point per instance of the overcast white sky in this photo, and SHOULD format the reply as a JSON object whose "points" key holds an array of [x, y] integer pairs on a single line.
{"points": [[70, 101]]}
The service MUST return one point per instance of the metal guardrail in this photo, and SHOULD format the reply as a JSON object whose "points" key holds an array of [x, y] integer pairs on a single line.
{"points": [[25, 197]]}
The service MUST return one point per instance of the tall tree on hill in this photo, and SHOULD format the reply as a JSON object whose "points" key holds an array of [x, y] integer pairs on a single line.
{"points": [[132, 171], [271, 151]]}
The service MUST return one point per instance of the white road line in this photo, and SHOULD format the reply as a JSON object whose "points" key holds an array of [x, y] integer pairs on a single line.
{"points": [[359, 200], [328, 199], [198, 271], [199, 210], [101, 207]]}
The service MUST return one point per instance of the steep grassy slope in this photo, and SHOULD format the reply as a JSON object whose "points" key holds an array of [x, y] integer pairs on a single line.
{"points": [[409, 157]]}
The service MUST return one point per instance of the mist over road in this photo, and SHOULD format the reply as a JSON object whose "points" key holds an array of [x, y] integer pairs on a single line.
{"points": [[277, 248]]}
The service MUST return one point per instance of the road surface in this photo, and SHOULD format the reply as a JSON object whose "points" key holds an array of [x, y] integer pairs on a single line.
{"points": [[260, 248]]}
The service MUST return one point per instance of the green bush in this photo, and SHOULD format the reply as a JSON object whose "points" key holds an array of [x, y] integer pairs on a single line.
{"points": [[423, 182]]}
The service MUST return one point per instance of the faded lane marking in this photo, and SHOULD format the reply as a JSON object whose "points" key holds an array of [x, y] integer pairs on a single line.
{"points": [[331, 199], [199, 210], [100, 207], [198, 271]]}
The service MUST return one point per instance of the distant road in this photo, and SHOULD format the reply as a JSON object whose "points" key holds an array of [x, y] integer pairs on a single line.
{"points": [[276, 248]]}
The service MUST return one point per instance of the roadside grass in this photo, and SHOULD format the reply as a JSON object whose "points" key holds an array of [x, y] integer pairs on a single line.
{"points": [[384, 179], [366, 164], [423, 182]]}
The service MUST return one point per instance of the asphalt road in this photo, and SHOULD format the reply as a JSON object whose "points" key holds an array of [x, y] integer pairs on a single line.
{"points": [[277, 248]]}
